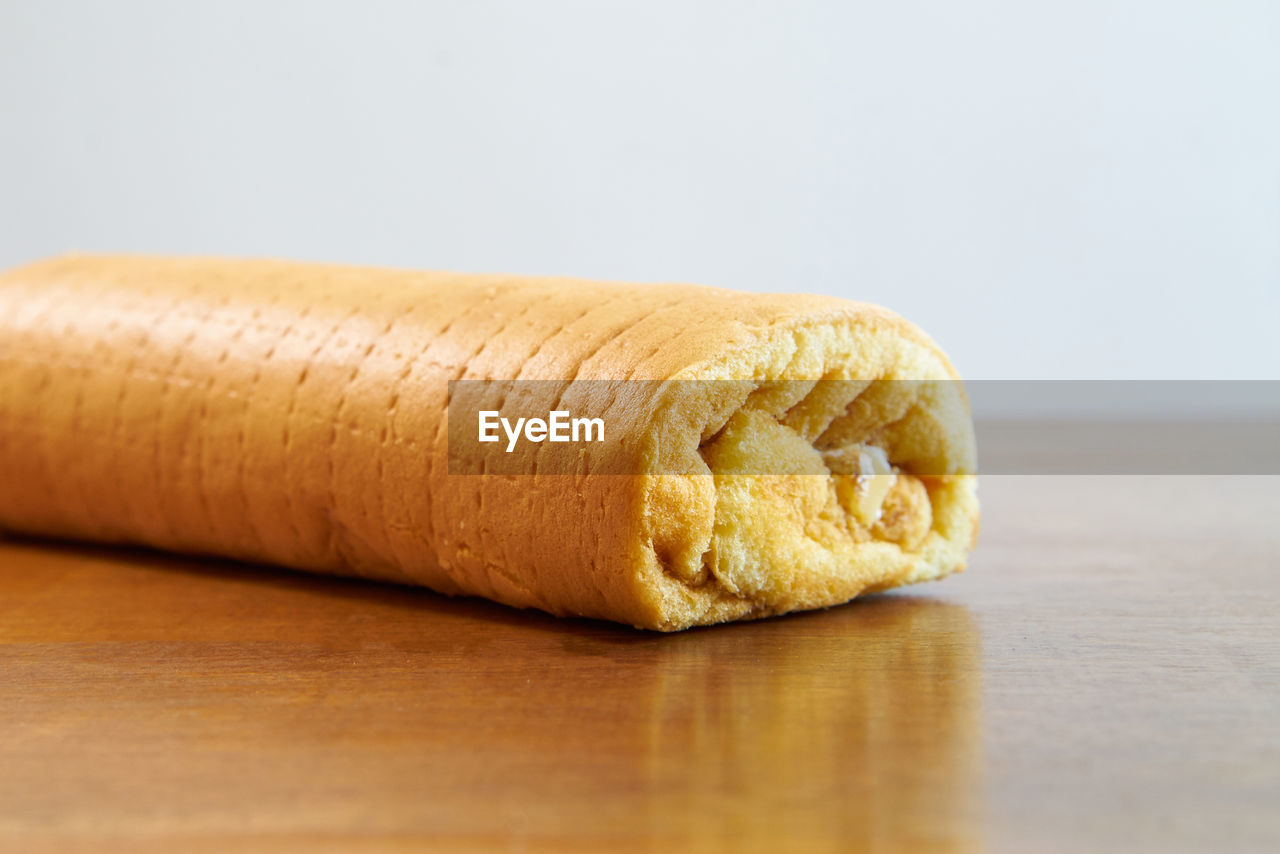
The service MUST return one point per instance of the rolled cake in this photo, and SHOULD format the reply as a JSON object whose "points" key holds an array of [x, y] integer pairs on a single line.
{"points": [[770, 453]]}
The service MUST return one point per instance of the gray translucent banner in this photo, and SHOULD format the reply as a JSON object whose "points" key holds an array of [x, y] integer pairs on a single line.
{"points": [[927, 428]]}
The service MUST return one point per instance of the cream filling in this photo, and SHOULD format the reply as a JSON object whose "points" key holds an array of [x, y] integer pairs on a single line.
{"points": [[785, 508], [872, 478]]}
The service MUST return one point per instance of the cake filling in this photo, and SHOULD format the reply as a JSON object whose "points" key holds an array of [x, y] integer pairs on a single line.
{"points": [[782, 503]]}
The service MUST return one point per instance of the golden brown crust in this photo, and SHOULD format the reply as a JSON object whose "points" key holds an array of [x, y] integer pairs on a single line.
{"points": [[294, 414]]}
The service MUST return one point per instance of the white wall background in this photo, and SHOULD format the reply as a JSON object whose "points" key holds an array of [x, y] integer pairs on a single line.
{"points": [[1053, 189]]}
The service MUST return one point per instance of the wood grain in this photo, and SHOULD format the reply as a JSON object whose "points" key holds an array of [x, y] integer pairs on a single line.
{"points": [[1106, 677]]}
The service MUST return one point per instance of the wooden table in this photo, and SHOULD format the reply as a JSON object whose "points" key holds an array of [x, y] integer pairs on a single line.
{"points": [[1106, 677]]}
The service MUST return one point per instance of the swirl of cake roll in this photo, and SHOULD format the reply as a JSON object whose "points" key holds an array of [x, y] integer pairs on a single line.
{"points": [[664, 456]]}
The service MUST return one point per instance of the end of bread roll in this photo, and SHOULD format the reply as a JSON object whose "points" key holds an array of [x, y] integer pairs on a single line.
{"points": [[875, 485]]}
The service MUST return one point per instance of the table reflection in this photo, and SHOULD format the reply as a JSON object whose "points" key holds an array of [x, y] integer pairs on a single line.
{"points": [[859, 724], [292, 703]]}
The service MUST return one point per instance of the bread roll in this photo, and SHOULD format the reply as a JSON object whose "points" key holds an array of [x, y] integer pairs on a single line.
{"points": [[297, 415]]}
